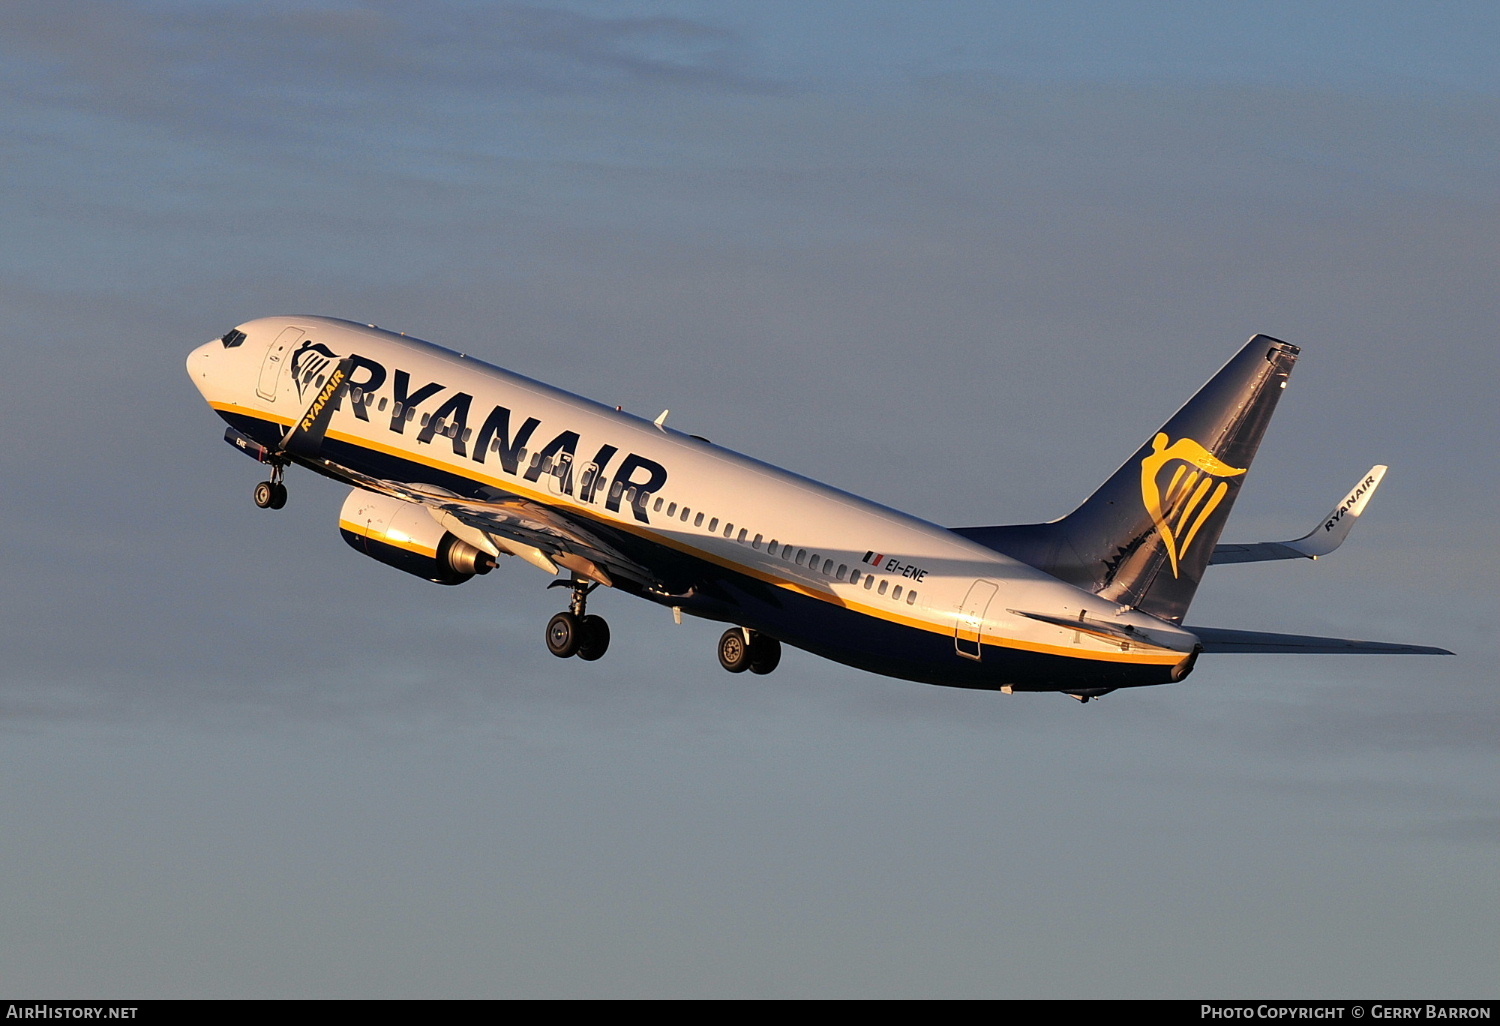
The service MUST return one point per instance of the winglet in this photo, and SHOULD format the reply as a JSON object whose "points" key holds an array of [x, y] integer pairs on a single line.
{"points": [[305, 437], [1321, 540], [661, 420]]}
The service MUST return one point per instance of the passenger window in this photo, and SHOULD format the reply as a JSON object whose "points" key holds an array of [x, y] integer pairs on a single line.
{"points": [[869, 582], [672, 509], [425, 418], [713, 526], [741, 538], [911, 597], [630, 495], [771, 546], [896, 593], [853, 576], [685, 514], [381, 407], [882, 587], [728, 530], [756, 543], [698, 520], [843, 571], [657, 507], [801, 556]]}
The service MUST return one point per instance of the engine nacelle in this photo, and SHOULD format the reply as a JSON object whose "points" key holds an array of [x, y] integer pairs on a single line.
{"points": [[404, 535]]}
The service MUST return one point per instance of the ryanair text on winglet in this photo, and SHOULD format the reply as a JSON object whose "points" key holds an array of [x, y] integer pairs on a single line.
{"points": [[335, 379], [1349, 503]]}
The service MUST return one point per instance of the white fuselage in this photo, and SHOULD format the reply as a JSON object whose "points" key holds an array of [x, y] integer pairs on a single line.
{"points": [[423, 414]]}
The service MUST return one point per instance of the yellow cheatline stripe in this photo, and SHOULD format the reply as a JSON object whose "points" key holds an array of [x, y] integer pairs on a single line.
{"points": [[1166, 657], [410, 545]]}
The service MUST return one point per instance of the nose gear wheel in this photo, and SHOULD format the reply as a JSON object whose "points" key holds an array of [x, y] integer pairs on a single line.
{"points": [[272, 494]]}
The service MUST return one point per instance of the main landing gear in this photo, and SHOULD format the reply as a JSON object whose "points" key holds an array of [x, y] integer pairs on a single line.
{"points": [[742, 649], [272, 494], [575, 632]]}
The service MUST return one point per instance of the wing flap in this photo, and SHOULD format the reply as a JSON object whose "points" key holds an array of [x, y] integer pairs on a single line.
{"points": [[545, 536]]}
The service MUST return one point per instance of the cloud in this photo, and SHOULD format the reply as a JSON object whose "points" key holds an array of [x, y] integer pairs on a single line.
{"points": [[218, 64]]}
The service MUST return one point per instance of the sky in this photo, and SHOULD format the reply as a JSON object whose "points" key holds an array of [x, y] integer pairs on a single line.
{"points": [[961, 258]]}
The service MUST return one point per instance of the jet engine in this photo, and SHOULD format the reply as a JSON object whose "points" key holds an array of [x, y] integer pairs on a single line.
{"points": [[404, 535]]}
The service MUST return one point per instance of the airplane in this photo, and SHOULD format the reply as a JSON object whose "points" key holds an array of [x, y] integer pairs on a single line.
{"points": [[455, 464]]}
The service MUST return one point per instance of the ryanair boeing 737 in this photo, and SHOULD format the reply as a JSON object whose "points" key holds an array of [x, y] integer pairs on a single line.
{"points": [[455, 464]]}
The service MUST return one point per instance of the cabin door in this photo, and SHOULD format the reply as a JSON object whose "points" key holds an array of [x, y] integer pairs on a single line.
{"points": [[966, 631], [270, 370]]}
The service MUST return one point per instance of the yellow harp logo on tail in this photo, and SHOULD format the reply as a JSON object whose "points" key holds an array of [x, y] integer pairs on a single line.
{"points": [[1190, 495]]}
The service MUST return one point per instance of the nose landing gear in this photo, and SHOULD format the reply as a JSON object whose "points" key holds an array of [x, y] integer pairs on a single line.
{"points": [[575, 632], [742, 649], [272, 494]]}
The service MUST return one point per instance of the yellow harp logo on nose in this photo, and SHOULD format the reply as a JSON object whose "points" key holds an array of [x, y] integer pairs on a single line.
{"points": [[1190, 495]]}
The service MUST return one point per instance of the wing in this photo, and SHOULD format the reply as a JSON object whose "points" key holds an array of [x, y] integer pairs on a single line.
{"points": [[1320, 541], [546, 536], [1217, 639]]}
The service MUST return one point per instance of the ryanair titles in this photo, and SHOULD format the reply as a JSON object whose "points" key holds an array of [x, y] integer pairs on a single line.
{"points": [[632, 480], [1349, 503]]}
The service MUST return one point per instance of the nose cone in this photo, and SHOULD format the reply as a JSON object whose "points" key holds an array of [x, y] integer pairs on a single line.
{"points": [[200, 365]]}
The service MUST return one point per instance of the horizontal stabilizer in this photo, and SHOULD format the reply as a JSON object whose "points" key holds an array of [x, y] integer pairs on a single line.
{"points": [[1216, 639], [1320, 541], [1119, 634]]}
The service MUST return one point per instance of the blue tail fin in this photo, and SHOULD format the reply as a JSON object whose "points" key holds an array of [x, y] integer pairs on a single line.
{"points": [[1145, 537]]}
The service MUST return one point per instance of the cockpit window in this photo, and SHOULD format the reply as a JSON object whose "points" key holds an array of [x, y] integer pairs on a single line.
{"points": [[232, 338]]}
